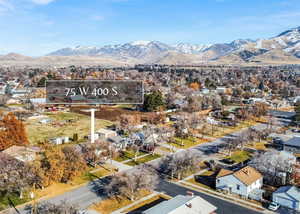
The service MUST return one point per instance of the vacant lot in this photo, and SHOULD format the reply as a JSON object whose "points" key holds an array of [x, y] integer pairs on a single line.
{"points": [[61, 124], [105, 113]]}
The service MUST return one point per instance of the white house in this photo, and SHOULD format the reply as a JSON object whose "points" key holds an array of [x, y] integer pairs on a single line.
{"points": [[106, 133], [183, 205], [287, 196], [60, 140], [242, 182]]}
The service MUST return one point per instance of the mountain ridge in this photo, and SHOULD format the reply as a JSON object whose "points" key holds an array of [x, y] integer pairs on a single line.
{"points": [[283, 48]]}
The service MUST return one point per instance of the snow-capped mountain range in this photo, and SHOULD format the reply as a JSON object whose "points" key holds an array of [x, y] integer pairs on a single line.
{"points": [[286, 44], [283, 48]]}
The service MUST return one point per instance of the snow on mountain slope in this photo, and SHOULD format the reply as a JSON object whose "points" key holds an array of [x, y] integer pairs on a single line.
{"points": [[155, 51]]}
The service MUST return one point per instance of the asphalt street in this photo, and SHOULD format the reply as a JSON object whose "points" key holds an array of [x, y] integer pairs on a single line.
{"points": [[224, 207]]}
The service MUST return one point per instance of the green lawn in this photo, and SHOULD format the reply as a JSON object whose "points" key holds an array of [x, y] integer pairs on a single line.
{"points": [[4, 201], [128, 155], [259, 145], [239, 156], [187, 143], [143, 160]]}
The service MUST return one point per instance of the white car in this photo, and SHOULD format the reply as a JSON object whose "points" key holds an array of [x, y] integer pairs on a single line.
{"points": [[273, 206]]}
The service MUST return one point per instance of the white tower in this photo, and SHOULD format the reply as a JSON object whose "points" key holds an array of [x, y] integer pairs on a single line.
{"points": [[92, 125]]}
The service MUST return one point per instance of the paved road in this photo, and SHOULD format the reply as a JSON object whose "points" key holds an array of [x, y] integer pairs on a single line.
{"points": [[224, 207], [93, 192]]}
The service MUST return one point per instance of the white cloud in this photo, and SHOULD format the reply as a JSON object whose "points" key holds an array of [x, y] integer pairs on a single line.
{"points": [[42, 1]]}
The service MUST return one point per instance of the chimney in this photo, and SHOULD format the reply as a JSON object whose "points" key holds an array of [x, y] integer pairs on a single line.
{"points": [[189, 193]]}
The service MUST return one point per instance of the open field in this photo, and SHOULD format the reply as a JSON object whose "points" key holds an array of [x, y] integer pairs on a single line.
{"points": [[60, 125]]}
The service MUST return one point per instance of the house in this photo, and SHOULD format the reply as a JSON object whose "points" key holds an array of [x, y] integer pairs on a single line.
{"points": [[221, 90], [287, 196], [118, 141], [292, 145], [60, 140], [22, 153], [45, 121], [106, 133], [245, 182], [183, 205]]}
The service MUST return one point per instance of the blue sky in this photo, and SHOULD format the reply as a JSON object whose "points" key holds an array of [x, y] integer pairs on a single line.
{"points": [[37, 27]]}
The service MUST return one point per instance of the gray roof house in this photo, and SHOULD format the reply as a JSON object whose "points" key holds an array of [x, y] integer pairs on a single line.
{"points": [[292, 145], [287, 196], [183, 205]]}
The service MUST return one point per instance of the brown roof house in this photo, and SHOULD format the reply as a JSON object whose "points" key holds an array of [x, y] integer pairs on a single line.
{"points": [[246, 182], [22, 153]]}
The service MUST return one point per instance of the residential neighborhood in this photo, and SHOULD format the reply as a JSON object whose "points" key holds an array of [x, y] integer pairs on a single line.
{"points": [[149, 107], [205, 134]]}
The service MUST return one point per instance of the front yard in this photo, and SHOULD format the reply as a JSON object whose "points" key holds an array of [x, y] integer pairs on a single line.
{"points": [[187, 143], [144, 159], [112, 204], [129, 154], [239, 156], [205, 180]]}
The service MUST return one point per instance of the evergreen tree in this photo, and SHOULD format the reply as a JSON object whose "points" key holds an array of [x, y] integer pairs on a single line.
{"points": [[153, 101]]}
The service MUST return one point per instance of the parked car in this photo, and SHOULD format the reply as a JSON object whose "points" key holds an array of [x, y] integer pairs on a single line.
{"points": [[273, 206]]}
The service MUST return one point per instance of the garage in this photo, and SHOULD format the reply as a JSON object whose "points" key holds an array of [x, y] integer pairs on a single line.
{"points": [[287, 196]]}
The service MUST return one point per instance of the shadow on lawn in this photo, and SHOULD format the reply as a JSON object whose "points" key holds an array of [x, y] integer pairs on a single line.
{"points": [[207, 180]]}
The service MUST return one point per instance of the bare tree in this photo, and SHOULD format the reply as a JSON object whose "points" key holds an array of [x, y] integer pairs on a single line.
{"points": [[230, 144], [179, 164], [129, 184], [15, 176], [49, 208], [275, 166], [3, 99]]}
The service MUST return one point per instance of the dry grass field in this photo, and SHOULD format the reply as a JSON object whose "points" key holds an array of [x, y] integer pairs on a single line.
{"points": [[61, 124]]}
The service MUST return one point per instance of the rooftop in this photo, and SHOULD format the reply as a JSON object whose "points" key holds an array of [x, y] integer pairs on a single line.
{"points": [[290, 191], [183, 205], [247, 175], [295, 141]]}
